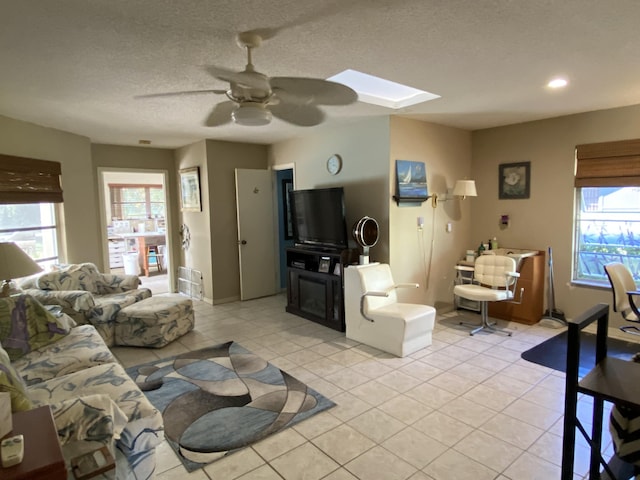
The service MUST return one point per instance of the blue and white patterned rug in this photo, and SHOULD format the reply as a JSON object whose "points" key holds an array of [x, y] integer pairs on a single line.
{"points": [[223, 398]]}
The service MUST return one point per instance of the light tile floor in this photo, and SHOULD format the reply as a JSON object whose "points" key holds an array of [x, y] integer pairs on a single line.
{"points": [[463, 408]]}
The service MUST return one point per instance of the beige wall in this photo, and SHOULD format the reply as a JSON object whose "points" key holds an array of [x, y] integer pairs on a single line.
{"points": [[364, 148], [428, 256], [546, 218], [222, 159], [198, 256], [81, 221]]}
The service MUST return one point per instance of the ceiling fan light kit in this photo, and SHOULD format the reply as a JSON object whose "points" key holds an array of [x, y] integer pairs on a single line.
{"points": [[251, 115]]}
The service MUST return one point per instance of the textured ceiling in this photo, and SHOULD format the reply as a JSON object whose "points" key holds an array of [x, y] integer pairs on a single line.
{"points": [[76, 65]]}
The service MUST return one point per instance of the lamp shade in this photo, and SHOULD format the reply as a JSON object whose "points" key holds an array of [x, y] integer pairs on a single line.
{"points": [[465, 188], [15, 263]]}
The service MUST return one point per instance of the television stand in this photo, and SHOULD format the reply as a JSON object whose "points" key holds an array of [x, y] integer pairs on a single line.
{"points": [[315, 289]]}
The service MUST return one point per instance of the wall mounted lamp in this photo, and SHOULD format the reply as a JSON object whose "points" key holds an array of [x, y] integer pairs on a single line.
{"points": [[462, 188]]}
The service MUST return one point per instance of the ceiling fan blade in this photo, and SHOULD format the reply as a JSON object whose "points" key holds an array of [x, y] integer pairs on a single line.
{"points": [[312, 90], [178, 94], [301, 115], [220, 115], [241, 78]]}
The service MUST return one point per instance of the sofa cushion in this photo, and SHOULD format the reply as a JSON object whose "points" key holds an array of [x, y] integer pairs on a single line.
{"points": [[144, 429], [81, 276], [82, 348], [25, 325], [11, 382], [92, 418]]}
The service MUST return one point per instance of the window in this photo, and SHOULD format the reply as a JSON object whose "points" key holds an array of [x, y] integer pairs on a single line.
{"points": [[607, 230], [607, 219], [33, 228], [134, 202]]}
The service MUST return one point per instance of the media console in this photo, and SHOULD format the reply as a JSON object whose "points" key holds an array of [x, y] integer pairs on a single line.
{"points": [[315, 289]]}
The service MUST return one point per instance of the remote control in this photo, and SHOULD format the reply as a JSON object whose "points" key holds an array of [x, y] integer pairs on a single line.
{"points": [[12, 451]]}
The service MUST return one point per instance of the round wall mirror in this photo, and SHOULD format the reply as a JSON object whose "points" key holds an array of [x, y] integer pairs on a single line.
{"points": [[365, 233]]}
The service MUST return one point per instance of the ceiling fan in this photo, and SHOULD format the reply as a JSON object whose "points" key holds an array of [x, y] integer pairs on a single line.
{"points": [[254, 98]]}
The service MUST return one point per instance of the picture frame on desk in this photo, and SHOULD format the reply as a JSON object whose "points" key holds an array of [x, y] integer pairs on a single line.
{"points": [[324, 264], [190, 190]]}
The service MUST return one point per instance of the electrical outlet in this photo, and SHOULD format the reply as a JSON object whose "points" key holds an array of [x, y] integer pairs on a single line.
{"points": [[448, 227], [420, 222]]}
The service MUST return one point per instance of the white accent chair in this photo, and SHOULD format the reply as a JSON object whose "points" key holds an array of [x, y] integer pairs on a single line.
{"points": [[494, 280], [624, 290], [374, 316]]}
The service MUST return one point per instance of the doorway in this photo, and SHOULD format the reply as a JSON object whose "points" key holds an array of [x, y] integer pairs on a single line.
{"points": [[134, 221], [284, 184]]}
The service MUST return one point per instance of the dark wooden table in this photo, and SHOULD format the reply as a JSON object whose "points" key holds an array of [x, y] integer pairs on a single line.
{"points": [[42, 453]]}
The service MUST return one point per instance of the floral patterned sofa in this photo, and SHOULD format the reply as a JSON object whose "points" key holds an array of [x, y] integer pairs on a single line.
{"points": [[44, 360], [86, 295]]}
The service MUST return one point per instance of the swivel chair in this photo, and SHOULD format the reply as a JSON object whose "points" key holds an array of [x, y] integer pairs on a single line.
{"points": [[374, 316], [624, 290], [494, 280]]}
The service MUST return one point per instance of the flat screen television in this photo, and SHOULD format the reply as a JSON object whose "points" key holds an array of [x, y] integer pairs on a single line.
{"points": [[318, 217]]}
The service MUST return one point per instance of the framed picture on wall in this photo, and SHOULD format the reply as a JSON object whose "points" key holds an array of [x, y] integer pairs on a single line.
{"points": [[190, 190], [514, 180]]}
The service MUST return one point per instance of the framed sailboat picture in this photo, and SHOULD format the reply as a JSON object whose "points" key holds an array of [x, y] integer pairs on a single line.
{"points": [[411, 180]]}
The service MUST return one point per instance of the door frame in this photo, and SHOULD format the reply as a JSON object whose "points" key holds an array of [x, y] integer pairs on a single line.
{"points": [[168, 219], [276, 205]]}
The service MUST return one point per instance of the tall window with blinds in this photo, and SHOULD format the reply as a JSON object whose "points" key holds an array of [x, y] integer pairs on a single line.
{"points": [[607, 220]]}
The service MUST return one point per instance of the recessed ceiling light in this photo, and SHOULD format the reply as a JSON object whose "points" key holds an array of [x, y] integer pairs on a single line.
{"points": [[379, 91], [558, 83]]}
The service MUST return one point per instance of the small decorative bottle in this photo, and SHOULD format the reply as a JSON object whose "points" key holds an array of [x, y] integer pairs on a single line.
{"points": [[494, 243], [480, 249]]}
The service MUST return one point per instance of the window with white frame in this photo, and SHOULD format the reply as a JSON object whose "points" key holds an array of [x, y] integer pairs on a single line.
{"points": [[33, 228], [132, 202], [607, 218], [607, 230]]}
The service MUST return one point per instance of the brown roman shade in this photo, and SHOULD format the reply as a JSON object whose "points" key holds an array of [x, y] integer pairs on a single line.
{"points": [[27, 180], [608, 164]]}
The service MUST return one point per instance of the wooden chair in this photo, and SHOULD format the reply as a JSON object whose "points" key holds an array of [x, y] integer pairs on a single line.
{"points": [[153, 256]]}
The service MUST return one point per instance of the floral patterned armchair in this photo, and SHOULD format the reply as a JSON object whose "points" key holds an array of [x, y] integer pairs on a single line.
{"points": [[87, 295]]}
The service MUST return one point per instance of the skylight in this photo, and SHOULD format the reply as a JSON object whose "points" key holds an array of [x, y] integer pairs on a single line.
{"points": [[379, 91]]}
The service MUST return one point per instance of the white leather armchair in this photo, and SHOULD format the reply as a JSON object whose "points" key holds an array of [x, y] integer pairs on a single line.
{"points": [[374, 316]]}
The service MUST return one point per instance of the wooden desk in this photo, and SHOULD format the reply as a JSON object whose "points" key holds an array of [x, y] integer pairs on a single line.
{"points": [[140, 242], [42, 454], [531, 309], [611, 379]]}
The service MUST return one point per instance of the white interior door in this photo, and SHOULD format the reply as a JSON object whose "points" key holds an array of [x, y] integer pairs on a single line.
{"points": [[256, 237]]}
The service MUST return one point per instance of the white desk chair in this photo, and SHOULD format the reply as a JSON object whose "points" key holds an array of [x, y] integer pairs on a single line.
{"points": [[494, 280], [624, 290], [374, 316]]}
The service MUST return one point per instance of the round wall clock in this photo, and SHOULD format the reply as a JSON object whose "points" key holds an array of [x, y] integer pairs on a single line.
{"points": [[334, 164]]}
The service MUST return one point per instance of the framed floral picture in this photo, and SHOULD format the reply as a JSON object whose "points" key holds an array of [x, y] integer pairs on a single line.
{"points": [[514, 180], [190, 190]]}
